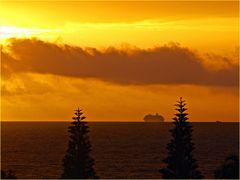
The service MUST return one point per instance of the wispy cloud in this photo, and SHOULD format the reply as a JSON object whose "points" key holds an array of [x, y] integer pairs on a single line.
{"points": [[206, 24]]}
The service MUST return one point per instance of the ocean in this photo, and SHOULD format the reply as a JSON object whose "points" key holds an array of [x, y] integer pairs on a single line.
{"points": [[130, 150]]}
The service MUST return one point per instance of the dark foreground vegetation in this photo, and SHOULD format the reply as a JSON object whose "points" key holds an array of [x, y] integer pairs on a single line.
{"points": [[7, 175], [229, 168]]}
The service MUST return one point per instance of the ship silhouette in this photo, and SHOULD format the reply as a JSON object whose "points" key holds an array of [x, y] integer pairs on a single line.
{"points": [[153, 118]]}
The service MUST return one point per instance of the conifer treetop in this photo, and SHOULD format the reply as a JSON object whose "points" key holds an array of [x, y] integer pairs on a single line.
{"points": [[180, 163], [77, 162]]}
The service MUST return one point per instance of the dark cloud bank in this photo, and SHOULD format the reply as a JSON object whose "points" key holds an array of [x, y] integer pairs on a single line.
{"points": [[161, 65]]}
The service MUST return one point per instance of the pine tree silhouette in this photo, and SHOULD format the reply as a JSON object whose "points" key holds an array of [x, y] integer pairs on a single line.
{"points": [[180, 162], [77, 162]]}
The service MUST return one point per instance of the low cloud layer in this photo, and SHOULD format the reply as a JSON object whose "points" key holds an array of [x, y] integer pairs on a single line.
{"points": [[161, 65]]}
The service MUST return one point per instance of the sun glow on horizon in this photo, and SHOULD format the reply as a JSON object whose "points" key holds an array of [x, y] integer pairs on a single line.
{"points": [[7, 32]]}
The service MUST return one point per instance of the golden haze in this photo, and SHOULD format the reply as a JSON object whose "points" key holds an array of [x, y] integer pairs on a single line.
{"points": [[205, 36]]}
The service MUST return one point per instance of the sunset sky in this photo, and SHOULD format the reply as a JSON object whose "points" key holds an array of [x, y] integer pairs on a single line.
{"points": [[119, 61]]}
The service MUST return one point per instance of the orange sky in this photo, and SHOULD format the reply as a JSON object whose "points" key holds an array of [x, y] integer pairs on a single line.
{"points": [[123, 59]]}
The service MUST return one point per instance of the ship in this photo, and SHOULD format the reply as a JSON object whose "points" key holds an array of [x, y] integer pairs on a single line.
{"points": [[153, 118]]}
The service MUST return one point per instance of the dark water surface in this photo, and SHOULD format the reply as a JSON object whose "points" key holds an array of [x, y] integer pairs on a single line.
{"points": [[121, 150]]}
